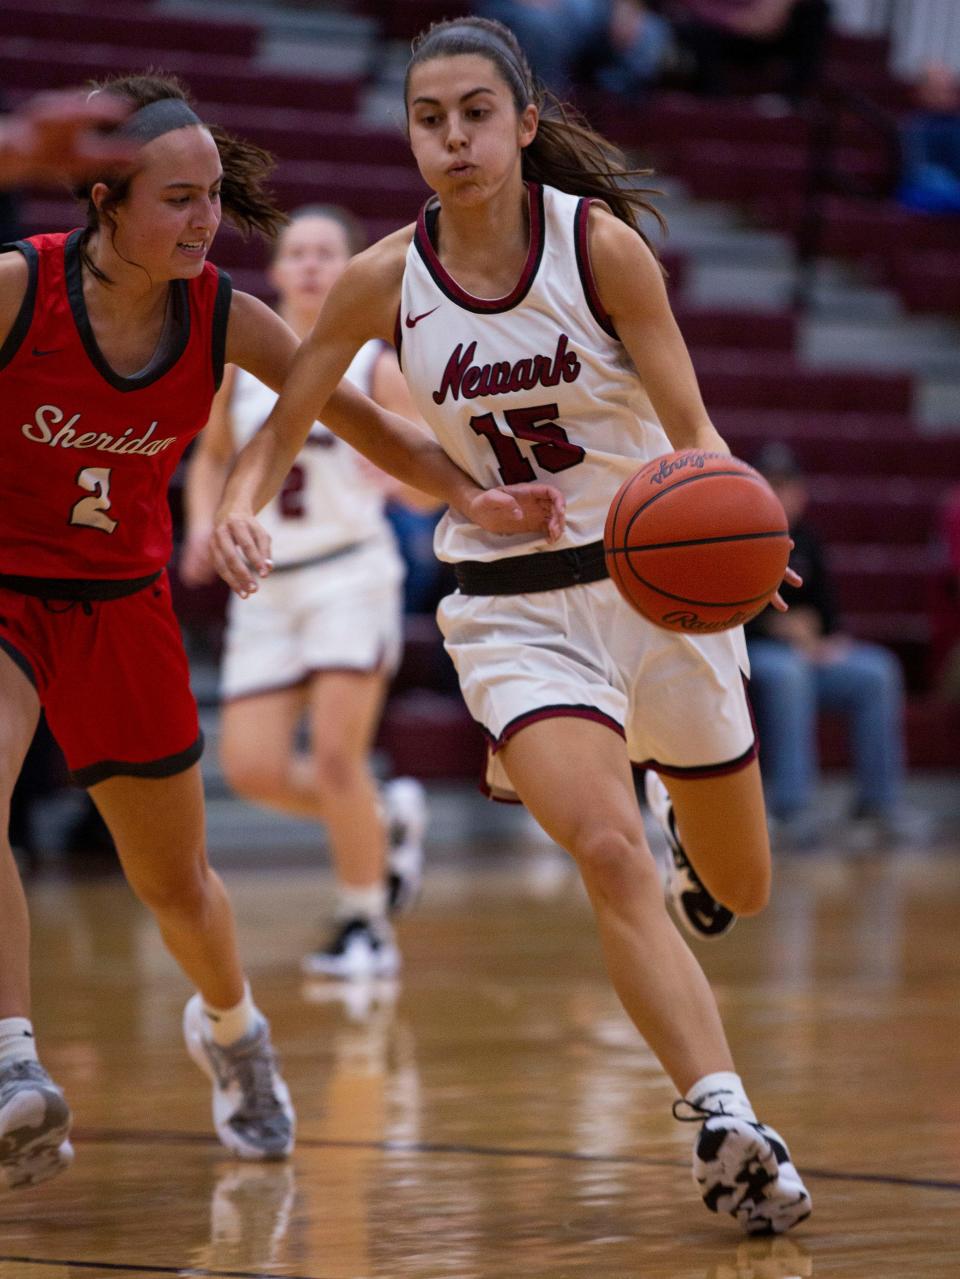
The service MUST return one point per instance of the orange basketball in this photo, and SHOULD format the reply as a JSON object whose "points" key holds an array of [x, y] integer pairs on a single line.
{"points": [[696, 542]]}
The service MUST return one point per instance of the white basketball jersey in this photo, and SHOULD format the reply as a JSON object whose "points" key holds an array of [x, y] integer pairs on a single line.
{"points": [[531, 386], [325, 502]]}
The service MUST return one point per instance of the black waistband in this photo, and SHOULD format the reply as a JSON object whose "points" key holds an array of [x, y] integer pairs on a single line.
{"points": [[323, 558], [76, 588], [526, 574]]}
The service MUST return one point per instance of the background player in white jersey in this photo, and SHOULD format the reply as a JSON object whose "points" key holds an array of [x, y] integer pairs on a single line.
{"points": [[538, 339], [324, 633]]}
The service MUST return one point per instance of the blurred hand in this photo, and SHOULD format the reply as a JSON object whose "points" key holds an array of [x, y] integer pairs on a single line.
{"points": [[520, 508], [240, 549], [54, 138]]}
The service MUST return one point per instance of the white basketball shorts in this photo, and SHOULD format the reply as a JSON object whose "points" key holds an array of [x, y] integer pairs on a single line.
{"points": [[342, 614], [679, 701]]}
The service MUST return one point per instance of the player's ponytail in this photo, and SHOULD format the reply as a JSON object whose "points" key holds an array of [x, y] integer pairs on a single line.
{"points": [[566, 152], [243, 195]]}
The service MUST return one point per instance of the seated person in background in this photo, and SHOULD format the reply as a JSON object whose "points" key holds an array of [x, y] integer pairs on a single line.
{"points": [[620, 45], [800, 664], [724, 36], [930, 163], [945, 598]]}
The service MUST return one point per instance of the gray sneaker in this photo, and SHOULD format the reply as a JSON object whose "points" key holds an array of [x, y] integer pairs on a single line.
{"points": [[34, 1126], [252, 1113]]}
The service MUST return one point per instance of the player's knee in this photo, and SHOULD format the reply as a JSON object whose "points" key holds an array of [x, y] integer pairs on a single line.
{"points": [[743, 893], [184, 896], [250, 775], [335, 772], [613, 864]]}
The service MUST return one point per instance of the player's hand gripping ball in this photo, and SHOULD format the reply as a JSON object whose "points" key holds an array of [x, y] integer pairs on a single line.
{"points": [[697, 542]]}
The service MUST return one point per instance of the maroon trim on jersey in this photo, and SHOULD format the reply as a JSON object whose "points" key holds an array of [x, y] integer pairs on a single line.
{"points": [[423, 239], [169, 766], [21, 325], [18, 659], [179, 302], [704, 770], [398, 335], [221, 314], [581, 241], [559, 711]]}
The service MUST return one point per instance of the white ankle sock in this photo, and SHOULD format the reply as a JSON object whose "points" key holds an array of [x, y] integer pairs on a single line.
{"points": [[226, 1025], [16, 1040], [362, 903], [722, 1091]]}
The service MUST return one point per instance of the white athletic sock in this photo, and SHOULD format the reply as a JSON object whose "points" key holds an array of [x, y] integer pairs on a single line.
{"points": [[362, 903], [226, 1025], [722, 1091], [16, 1041]]}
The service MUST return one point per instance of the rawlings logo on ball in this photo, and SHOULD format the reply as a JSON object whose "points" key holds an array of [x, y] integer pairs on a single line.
{"points": [[693, 622], [679, 462]]}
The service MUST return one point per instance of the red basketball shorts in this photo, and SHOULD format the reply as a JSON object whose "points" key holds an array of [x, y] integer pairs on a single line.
{"points": [[112, 678]]}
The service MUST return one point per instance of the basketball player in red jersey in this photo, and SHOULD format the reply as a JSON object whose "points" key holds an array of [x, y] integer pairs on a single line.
{"points": [[537, 340], [112, 343]]}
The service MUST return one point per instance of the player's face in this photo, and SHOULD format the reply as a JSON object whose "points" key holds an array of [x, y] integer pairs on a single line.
{"points": [[311, 254], [465, 130], [172, 212]]}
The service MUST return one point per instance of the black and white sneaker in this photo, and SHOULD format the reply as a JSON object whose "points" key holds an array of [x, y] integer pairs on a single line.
{"points": [[357, 949], [697, 910], [743, 1167], [405, 811]]}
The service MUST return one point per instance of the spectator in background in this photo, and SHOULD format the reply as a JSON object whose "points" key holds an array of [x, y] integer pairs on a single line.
{"points": [[9, 209], [620, 45], [725, 38], [801, 663], [930, 162]]}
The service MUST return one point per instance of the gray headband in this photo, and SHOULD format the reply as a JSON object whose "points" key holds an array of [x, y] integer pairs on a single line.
{"points": [[156, 119], [488, 40]]}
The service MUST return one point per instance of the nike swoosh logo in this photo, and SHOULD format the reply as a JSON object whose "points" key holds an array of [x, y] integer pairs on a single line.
{"points": [[52, 351], [412, 321]]}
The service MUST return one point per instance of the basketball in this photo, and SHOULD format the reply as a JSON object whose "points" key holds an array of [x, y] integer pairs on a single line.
{"points": [[696, 541]]}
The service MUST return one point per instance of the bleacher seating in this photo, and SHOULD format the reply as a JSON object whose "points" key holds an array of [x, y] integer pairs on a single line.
{"points": [[875, 480]]}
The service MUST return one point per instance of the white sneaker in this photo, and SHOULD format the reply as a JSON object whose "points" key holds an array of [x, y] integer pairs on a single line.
{"points": [[697, 910], [34, 1126], [405, 810], [743, 1167], [252, 1113], [358, 949]]}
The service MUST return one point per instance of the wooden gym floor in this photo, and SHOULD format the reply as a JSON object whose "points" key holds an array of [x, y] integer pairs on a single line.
{"points": [[493, 1114]]}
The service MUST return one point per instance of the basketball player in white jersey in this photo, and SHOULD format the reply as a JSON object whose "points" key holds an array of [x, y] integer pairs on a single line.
{"points": [[538, 341], [324, 634]]}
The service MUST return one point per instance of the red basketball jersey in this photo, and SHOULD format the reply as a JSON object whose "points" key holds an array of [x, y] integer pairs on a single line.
{"points": [[88, 454]]}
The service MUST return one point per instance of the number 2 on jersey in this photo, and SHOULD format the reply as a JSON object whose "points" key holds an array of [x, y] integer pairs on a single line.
{"points": [[552, 449], [91, 512]]}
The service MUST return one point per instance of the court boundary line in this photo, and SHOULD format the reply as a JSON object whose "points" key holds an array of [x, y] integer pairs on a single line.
{"points": [[122, 1266], [131, 1136]]}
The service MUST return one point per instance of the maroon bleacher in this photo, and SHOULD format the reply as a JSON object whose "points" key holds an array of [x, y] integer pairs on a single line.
{"points": [[875, 481]]}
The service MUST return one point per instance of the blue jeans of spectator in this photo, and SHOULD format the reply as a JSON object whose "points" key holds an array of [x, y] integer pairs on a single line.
{"points": [[864, 684]]}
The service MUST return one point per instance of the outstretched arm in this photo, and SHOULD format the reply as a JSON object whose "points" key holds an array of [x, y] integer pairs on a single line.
{"points": [[54, 137], [310, 387]]}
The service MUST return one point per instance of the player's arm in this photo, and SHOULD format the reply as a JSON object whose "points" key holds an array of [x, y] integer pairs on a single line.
{"points": [[357, 309], [14, 275], [632, 291], [207, 471], [57, 137], [389, 389]]}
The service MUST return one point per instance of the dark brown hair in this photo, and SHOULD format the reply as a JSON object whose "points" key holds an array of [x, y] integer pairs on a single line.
{"points": [[566, 152], [243, 196]]}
